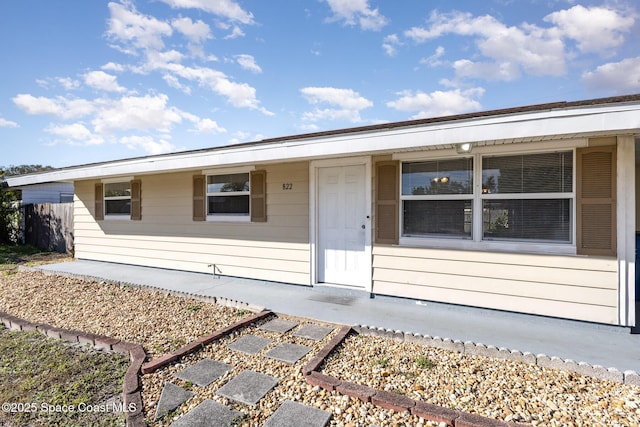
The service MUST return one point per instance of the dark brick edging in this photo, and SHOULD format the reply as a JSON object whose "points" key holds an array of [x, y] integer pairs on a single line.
{"points": [[131, 384], [168, 358], [388, 400]]}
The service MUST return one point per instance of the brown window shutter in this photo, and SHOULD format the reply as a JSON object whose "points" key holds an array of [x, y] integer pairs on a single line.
{"points": [[136, 200], [99, 202], [258, 196], [596, 201], [199, 198], [387, 202]]}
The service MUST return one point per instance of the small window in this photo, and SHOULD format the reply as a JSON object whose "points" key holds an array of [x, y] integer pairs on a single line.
{"points": [[228, 196], [117, 199], [66, 197]]}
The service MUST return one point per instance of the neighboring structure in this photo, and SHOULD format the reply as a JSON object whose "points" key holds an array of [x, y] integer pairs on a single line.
{"points": [[529, 209], [48, 192]]}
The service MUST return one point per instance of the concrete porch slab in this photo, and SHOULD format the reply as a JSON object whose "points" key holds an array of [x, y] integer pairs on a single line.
{"points": [[248, 387], [204, 372]]}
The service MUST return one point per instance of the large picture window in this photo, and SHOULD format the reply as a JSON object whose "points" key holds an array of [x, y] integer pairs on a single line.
{"points": [[521, 198], [437, 198], [228, 195], [528, 197]]}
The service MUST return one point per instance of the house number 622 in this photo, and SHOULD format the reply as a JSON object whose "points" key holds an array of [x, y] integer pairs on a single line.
{"points": [[287, 186]]}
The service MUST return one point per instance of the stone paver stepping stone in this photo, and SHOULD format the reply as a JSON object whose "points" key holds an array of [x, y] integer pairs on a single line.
{"points": [[313, 332], [248, 387], [288, 352], [204, 372], [171, 397], [279, 325], [293, 414], [208, 414], [250, 344]]}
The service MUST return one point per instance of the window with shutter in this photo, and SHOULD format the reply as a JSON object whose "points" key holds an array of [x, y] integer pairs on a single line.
{"points": [[596, 201], [199, 192], [387, 200], [99, 202], [258, 196], [136, 200]]}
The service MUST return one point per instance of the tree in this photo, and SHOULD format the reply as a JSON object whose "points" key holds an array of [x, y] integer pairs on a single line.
{"points": [[10, 201]]}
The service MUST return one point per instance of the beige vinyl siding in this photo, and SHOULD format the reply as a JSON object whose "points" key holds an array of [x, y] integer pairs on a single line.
{"points": [[168, 237], [552, 285]]}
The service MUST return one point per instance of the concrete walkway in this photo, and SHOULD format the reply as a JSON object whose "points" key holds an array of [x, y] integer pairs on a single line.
{"points": [[595, 344]]}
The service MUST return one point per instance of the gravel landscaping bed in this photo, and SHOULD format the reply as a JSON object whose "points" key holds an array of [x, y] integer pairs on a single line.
{"points": [[500, 389], [346, 411], [159, 321]]}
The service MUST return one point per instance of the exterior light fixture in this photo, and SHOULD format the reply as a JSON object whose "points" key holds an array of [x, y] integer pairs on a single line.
{"points": [[464, 148]]}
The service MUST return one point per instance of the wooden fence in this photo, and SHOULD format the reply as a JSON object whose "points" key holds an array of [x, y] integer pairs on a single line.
{"points": [[49, 226]]}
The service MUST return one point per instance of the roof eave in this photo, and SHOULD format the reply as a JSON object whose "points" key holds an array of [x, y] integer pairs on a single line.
{"points": [[581, 118]]}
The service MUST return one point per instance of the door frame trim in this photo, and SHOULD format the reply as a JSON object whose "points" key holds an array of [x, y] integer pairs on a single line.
{"points": [[314, 167]]}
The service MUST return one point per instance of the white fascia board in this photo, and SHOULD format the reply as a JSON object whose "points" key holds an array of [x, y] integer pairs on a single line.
{"points": [[616, 119]]}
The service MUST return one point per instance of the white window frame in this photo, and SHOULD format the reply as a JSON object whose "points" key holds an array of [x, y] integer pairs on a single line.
{"points": [[476, 242], [465, 196], [228, 217], [116, 217]]}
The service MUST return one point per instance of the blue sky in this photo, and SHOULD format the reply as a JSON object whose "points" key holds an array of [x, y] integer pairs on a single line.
{"points": [[87, 81]]}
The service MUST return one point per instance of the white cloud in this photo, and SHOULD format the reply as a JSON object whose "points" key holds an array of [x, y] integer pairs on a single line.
{"points": [[75, 134], [227, 9], [390, 43], [133, 30], [595, 29], [196, 32], [208, 126], [235, 33], [357, 12], [175, 83], [438, 103], [239, 95], [112, 66], [618, 77], [248, 62], [434, 60], [511, 50], [149, 144], [347, 104], [4, 123], [68, 83], [102, 81], [59, 106], [136, 112], [243, 136]]}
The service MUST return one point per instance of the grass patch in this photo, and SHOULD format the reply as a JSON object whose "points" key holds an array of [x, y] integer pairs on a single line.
{"points": [[12, 255], [423, 362], [41, 372], [383, 362]]}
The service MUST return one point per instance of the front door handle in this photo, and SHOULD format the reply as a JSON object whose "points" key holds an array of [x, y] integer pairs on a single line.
{"points": [[363, 226]]}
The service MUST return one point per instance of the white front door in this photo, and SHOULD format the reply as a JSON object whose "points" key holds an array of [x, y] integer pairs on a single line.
{"points": [[342, 257]]}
